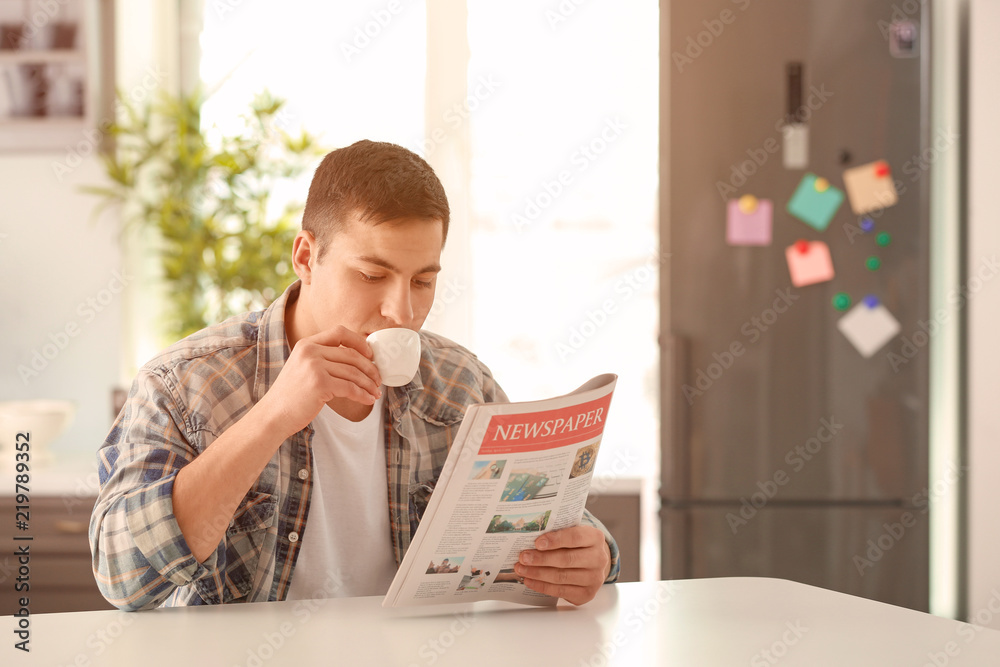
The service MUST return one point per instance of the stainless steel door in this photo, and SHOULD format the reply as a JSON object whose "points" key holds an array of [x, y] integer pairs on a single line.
{"points": [[763, 396]]}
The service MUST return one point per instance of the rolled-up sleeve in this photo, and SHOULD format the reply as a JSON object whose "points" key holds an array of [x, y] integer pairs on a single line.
{"points": [[139, 554]]}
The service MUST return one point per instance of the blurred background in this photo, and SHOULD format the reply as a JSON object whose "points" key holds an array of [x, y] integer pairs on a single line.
{"points": [[581, 144]]}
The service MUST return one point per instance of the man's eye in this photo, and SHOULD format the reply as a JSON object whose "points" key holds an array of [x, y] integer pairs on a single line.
{"points": [[423, 283], [369, 279]]}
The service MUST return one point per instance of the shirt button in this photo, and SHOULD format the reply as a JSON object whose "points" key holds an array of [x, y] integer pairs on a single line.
{"points": [[303, 474], [293, 537]]}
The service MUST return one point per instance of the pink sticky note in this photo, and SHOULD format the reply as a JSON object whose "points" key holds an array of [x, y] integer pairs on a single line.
{"points": [[809, 262], [752, 228]]}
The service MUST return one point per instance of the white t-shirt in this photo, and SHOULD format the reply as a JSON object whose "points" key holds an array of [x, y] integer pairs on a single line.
{"points": [[347, 536]]}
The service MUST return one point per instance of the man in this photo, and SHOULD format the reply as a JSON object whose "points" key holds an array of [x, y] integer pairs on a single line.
{"points": [[233, 438]]}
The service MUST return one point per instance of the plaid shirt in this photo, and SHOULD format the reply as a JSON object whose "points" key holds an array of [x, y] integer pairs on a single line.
{"points": [[187, 396]]}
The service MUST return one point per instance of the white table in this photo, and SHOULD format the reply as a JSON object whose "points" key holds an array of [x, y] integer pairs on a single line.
{"points": [[690, 623]]}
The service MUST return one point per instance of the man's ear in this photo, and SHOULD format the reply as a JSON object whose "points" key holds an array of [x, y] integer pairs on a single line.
{"points": [[305, 250]]}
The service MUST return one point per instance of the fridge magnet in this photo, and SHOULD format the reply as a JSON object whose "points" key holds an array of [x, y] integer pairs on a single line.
{"points": [[841, 301], [748, 221], [868, 326], [809, 262], [815, 201], [870, 187]]}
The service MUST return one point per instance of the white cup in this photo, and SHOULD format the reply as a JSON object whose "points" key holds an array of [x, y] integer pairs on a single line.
{"points": [[397, 355]]}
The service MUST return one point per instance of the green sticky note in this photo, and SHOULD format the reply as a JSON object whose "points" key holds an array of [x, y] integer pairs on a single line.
{"points": [[815, 202]]}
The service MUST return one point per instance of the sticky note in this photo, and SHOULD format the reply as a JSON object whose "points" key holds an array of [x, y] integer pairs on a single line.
{"points": [[809, 262], [868, 327], [748, 221], [815, 201], [870, 187]]}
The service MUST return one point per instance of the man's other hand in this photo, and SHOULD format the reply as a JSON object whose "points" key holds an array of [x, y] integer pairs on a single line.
{"points": [[571, 563]]}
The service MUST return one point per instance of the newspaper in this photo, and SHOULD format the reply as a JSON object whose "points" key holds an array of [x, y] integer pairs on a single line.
{"points": [[515, 471]]}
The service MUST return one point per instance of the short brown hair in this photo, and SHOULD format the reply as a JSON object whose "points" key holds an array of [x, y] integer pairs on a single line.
{"points": [[378, 180]]}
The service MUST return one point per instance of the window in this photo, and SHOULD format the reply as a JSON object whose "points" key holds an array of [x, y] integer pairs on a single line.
{"points": [[564, 204]]}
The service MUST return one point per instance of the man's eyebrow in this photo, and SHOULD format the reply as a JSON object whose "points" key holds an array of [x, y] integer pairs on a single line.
{"points": [[378, 261]]}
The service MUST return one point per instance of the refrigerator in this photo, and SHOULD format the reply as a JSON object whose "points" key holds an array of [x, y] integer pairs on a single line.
{"points": [[789, 448]]}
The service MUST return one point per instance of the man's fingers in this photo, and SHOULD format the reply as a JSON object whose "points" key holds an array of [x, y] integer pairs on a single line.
{"points": [[558, 575], [580, 557], [341, 335], [570, 538], [348, 359], [574, 594], [347, 389]]}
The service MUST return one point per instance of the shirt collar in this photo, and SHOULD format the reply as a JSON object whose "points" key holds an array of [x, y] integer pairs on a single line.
{"points": [[272, 341]]}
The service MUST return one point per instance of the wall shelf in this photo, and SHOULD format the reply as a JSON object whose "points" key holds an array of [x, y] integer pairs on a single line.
{"points": [[56, 74]]}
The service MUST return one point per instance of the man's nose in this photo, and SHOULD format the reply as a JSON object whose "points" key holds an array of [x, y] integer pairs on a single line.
{"points": [[398, 305]]}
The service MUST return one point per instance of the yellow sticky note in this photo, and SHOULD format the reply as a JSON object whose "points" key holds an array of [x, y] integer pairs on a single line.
{"points": [[870, 187], [809, 262]]}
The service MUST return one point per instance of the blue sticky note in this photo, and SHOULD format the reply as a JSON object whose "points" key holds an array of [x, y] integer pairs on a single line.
{"points": [[815, 202]]}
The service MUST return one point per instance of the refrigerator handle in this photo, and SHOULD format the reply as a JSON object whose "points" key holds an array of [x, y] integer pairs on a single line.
{"points": [[795, 109], [675, 453]]}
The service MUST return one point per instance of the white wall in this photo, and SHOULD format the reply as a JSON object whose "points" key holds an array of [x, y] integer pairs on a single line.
{"points": [[61, 271], [984, 317], [52, 261]]}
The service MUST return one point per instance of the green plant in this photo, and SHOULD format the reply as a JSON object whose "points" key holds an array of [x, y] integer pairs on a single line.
{"points": [[209, 198]]}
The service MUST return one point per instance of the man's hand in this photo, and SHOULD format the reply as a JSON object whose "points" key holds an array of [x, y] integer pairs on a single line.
{"points": [[331, 364], [571, 563], [336, 363]]}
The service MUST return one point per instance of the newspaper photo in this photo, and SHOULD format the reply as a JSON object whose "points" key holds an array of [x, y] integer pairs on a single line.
{"points": [[515, 471]]}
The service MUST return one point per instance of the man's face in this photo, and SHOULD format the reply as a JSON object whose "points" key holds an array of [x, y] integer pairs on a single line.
{"points": [[371, 277]]}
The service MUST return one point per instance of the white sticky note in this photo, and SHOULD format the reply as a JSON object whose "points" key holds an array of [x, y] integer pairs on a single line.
{"points": [[868, 328], [870, 187], [795, 146], [809, 262]]}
